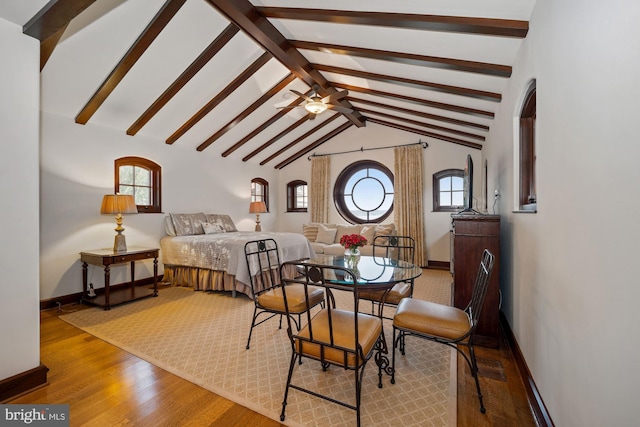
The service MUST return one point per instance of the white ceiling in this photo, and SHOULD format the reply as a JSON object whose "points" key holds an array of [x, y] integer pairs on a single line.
{"points": [[99, 37], [20, 11]]}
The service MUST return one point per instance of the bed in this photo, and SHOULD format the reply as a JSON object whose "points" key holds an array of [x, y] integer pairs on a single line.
{"points": [[206, 252]]}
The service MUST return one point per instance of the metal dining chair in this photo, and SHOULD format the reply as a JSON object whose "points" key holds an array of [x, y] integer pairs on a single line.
{"points": [[444, 324], [392, 248], [263, 263], [333, 336]]}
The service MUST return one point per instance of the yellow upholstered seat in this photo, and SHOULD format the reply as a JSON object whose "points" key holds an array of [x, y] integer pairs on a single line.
{"points": [[369, 330], [432, 319], [273, 299], [399, 291]]}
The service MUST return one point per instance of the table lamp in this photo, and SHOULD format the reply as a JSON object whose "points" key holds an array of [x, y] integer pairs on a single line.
{"points": [[119, 204], [257, 208]]}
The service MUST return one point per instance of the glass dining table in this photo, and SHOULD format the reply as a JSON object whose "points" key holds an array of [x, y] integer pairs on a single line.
{"points": [[371, 273]]}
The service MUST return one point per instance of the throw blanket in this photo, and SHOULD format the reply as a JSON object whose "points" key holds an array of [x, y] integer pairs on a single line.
{"points": [[225, 251]]}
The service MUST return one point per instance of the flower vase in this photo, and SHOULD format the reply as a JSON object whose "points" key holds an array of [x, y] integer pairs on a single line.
{"points": [[351, 258]]}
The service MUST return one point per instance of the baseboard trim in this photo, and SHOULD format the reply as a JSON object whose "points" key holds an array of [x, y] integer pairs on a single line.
{"points": [[438, 265], [75, 298], [23, 382], [536, 404]]}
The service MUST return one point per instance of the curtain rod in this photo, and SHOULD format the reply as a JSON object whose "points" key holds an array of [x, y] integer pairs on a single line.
{"points": [[420, 142]]}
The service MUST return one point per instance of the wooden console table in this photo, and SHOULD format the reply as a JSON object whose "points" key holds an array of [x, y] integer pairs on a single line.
{"points": [[107, 258]]}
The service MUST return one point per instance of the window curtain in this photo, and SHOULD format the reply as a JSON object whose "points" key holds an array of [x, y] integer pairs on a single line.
{"points": [[408, 203], [319, 191]]}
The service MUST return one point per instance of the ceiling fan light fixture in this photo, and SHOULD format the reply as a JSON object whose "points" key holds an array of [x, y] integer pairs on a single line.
{"points": [[315, 107]]}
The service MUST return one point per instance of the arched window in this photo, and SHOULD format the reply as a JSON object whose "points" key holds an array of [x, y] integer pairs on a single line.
{"points": [[448, 190], [141, 178], [527, 192], [363, 192], [260, 191], [297, 196]]}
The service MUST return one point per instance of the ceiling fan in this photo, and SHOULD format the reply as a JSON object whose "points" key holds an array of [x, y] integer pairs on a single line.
{"points": [[316, 104]]}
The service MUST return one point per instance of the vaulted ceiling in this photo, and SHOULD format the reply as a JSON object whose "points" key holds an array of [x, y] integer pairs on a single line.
{"points": [[215, 74]]}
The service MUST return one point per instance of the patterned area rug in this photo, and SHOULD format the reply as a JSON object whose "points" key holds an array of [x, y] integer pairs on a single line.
{"points": [[202, 337]]}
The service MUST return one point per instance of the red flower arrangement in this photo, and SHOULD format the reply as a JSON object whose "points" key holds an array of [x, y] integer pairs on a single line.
{"points": [[352, 241]]}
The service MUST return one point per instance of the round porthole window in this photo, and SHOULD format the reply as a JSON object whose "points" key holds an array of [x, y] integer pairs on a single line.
{"points": [[363, 192]]}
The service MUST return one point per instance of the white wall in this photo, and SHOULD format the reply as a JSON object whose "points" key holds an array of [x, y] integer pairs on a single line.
{"points": [[438, 156], [569, 274], [77, 169], [19, 86]]}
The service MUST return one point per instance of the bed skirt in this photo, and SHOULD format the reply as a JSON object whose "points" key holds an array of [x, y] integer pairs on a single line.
{"points": [[203, 279]]}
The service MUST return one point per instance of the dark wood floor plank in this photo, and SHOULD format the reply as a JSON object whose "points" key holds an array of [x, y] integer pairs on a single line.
{"points": [[505, 401]]}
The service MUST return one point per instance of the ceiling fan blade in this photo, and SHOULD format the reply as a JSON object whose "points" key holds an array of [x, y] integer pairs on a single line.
{"points": [[311, 116], [340, 108], [289, 107], [300, 94], [335, 96]]}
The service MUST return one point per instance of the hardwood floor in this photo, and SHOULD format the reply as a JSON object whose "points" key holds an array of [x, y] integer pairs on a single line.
{"points": [[106, 386], [503, 391]]}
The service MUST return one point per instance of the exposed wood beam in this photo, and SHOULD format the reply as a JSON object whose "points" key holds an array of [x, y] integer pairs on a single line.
{"points": [[408, 58], [427, 133], [267, 144], [202, 59], [49, 24], [412, 83], [48, 45], [250, 109], [422, 124], [224, 93], [53, 17], [399, 126], [300, 138], [313, 145], [457, 24], [283, 112], [419, 113], [418, 101], [243, 14], [422, 132], [157, 24]]}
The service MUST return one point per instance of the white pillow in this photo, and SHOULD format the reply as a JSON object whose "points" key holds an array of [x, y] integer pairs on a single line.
{"points": [[346, 230], [212, 228], [368, 231], [384, 230], [168, 226], [325, 235]]}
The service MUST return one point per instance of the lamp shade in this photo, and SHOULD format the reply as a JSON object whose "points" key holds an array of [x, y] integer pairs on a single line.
{"points": [[257, 207], [315, 107], [118, 204]]}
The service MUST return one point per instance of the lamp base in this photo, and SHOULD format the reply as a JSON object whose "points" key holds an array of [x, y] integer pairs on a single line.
{"points": [[258, 227], [119, 244]]}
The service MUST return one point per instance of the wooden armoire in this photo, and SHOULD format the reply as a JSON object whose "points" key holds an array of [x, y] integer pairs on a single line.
{"points": [[472, 233]]}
